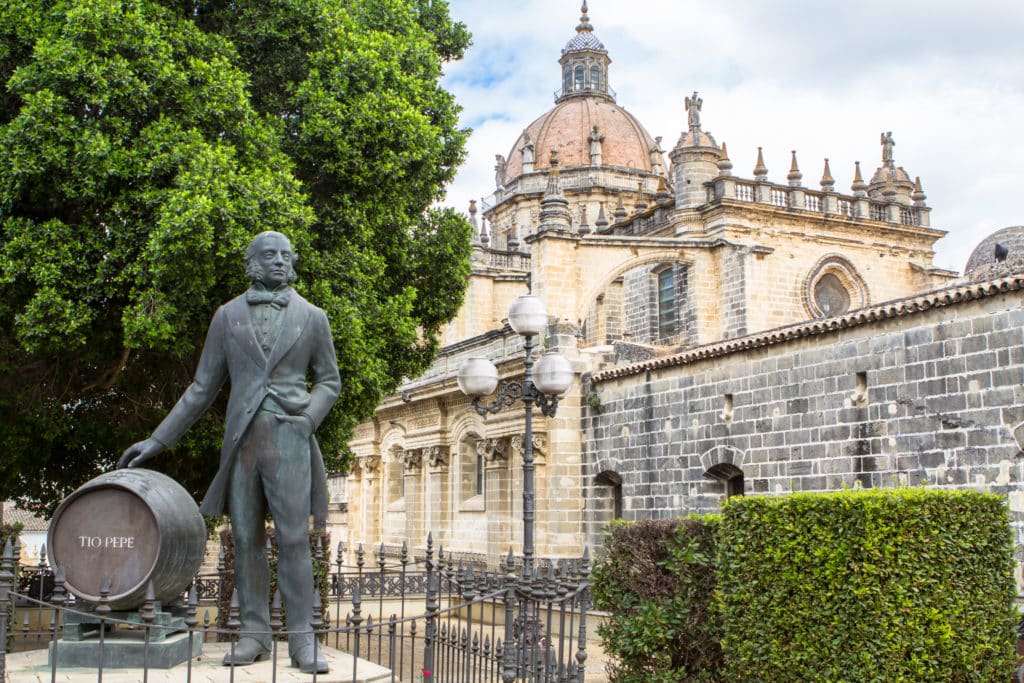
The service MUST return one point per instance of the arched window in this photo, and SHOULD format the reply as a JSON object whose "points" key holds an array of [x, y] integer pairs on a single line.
{"points": [[567, 79], [666, 302], [578, 75], [471, 470], [395, 468], [610, 493], [595, 78], [730, 476]]}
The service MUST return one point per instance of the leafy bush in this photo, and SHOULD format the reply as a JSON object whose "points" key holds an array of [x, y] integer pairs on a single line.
{"points": [[656, 580], [907, 585]]}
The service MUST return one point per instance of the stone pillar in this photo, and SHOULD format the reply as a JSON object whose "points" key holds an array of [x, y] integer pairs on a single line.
{"points": [[797, 198], [555, 273], [830, 203], [434, 510], [413, 486], [725, 187], [371, 498], [892, 213], [923, 216], [497, 495], [862, 208]]}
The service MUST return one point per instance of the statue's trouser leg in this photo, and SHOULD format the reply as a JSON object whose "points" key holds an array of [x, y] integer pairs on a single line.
{"points": [[247, 508], [286, 482]]}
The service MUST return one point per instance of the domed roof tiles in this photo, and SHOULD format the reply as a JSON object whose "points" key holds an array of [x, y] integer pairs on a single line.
{"points": [[1011, 247], [890, 174], [567, 128], [584, 41]]}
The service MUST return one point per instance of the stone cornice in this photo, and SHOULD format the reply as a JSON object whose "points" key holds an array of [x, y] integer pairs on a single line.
{"points": [[950, 296], [604, 240]]}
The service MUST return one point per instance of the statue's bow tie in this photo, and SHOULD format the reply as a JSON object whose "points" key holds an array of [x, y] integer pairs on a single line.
{"points": [[275, 299]]}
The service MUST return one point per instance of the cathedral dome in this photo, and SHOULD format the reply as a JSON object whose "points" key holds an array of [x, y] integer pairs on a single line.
{"points": [[890, 174], [568, 129], [1002, 250], [586, 128]]}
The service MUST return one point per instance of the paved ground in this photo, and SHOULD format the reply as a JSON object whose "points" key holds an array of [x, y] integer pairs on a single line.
{"points": [[31, 667]]}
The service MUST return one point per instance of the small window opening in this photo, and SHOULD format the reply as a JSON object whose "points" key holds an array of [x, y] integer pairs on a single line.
{"points": [[480, 471], [860, 393], [727, 407], [730, 476]]}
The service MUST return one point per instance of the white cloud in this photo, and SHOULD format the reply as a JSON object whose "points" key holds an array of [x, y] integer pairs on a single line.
{"points": [[822, 78]]}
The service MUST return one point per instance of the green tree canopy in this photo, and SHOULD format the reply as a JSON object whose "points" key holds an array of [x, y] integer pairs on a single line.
{"points": [[144, 142]]}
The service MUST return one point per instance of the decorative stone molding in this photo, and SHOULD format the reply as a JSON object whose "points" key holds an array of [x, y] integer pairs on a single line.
{"points": [[629, 352], [437, 456], [493, 449], [412, 458], [540, 443], [368, 463]]}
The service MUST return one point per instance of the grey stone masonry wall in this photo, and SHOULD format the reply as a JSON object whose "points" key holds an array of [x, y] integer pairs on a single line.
{"points": [[640, 306], [734, 295], [924, 391], [686, 313]]}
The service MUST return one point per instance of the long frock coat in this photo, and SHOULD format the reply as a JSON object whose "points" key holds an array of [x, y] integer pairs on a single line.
{"points": [[232, 352]]}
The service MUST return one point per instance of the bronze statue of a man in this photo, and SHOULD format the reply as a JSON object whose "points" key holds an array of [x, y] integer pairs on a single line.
{"points": [[268, 342]]}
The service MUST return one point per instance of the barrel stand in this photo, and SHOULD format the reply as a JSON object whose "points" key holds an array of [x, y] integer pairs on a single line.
{"points": [[125, 647]]}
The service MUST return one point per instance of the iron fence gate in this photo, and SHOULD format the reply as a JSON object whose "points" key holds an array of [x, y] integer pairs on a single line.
{"points": [[446, 622]]}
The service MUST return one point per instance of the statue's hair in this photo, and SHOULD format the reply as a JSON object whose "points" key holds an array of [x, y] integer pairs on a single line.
{"points": [[253, 270]]}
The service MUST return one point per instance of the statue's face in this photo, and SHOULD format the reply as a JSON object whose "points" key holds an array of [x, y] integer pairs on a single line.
{"points": [[273, 259]]}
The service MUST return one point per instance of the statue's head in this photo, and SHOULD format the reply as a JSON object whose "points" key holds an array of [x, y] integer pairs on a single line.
{"points": [[270, 260]]}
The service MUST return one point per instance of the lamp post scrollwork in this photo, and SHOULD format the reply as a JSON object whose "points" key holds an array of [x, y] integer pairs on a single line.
{"points": [[543, 383]]}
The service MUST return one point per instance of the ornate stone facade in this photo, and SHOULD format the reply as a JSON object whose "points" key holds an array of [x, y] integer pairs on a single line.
{"points": [[640, 263]]}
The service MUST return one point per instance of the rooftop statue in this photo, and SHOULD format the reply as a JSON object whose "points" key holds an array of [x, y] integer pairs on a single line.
{"points": [[499, 170], [529, 156], [887, 146], [693, 105]]}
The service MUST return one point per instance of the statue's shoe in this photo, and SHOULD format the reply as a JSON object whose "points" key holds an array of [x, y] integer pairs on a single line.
{"points": [[247, 651], [309, 660]]}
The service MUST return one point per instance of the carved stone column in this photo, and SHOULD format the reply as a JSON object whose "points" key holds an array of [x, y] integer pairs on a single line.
{"points": [[499, 493], [437, 497]]}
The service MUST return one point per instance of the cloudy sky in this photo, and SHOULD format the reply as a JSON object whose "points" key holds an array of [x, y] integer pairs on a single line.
{"points": [[823, 78]]}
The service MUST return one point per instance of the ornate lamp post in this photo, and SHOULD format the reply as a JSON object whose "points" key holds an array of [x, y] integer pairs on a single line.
{"points": [[542, 385]]}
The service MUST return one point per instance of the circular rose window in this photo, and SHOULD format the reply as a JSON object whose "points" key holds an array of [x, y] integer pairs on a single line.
{"points": [[833, 288]]}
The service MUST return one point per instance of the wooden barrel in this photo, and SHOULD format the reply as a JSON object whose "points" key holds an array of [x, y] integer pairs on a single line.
{"points": [[130, 526]]}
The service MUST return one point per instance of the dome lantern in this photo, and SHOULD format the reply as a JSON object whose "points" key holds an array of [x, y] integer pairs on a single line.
{"points": [[584, 63]]}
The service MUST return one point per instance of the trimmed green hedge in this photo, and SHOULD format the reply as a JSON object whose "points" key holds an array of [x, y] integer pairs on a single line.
{"points": [[656, 579], [888, 586]]}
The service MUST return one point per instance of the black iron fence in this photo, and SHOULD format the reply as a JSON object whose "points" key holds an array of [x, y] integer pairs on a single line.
{"points": [[425, 619]]}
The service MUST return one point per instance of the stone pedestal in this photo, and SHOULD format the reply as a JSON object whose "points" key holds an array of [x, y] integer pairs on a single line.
{"points": [[125, 641], [125, 650]]}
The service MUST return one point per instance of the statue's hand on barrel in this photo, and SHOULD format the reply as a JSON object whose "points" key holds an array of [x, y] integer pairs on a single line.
{"points": [[138, 453]]}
